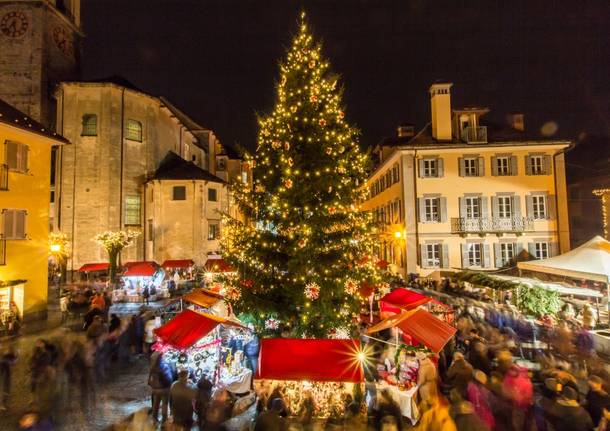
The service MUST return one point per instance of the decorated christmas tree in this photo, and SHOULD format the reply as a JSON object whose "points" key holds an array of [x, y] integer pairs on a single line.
{"points": [[303, 247]]}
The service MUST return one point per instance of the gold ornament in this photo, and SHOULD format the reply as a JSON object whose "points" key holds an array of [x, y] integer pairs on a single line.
{"points": [[322, 122], [288, 183], [286, 145], [312, 64], [276, 145], [329, 151]]}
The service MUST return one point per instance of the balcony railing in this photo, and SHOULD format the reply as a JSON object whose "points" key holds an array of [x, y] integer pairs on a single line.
{"points": [[474, 135], [491, 224], [3, 177]]}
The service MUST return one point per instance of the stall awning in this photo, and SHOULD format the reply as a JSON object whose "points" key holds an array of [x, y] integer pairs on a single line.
{"points": [[140, 269], [422, 326], [188, 327], [218, 265], [202, 297], [308, 359], [90, 267], [402, 298], [178, 263]]}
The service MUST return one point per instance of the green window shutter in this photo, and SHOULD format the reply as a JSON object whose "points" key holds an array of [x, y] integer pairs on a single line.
{"points": [[481, 163], [513, 165], [442, 203], [531, 249], [12, 154], [547, 164], [528, 165], [518, 250], [551, 207], [554, 249], [445, 256], [462, 167], [494, 166]]}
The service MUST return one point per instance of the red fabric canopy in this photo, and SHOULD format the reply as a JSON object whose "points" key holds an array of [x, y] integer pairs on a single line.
{"points": [[309, 359], [188, 327], [90, 267], [422, 326], [217, 265], [178, 263], [402, 298], [140, 269]]}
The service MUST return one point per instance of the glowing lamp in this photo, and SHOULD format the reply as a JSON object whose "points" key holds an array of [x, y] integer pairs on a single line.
{"points": [[398, 234], [55, 248]]}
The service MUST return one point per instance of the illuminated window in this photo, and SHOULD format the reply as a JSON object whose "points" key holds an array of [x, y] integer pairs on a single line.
{"points": [[213, 231], [433, 255], [541, 249], [430, 168], [503, 165], [505, 206], [507, 253], [473, 207], [537, 165], [474, 254], [470, 167], [179, 193], [132, 210], [539, 207], [431, 209], [133, 130], [89, 125]]}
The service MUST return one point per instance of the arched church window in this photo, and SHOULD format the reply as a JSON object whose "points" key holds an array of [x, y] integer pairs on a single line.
{"points": [[133, 130], [89, 125]]}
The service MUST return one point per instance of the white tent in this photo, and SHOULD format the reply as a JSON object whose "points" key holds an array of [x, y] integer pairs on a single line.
{"points": [[590, 261]]}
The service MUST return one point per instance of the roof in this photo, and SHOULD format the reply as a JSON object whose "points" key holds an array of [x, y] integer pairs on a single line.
{"points": [[404, 299], [188, 122], [174, 167], [14, 117], [217, 265], [555, 287], [422, 326], [310, 359], [140, 269], [590, 261], [202, 297], [90, 267], [188, 327], [118, 80], [178, 263]]}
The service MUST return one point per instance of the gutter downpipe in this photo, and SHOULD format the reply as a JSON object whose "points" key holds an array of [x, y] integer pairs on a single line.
{"points": [[415, 164], [121, 165]]}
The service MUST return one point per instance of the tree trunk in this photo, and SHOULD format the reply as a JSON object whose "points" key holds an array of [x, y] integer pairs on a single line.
{"points": [[112, 257]]}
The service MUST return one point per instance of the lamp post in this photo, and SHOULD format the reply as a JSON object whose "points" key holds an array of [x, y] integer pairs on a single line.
{"points": [[58, 249]]}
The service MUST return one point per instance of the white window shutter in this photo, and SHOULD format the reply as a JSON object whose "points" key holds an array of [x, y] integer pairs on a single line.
{"points": [[518, 250], [462, 202], [553, 249], [464, 248], [462, 167], [441, 168], [516, 206], [445, 256], [551, 207], [481, 166], [420, 167], [486, 256], [484, 206], [513, 165], [548, 167], [498, 255], [528, 165], [8, 225], [421, 209], [494, 166], [529, 205], [494, 206], [442, 203], [12, 156], [424, 255], [24, 151], [531, 249]]}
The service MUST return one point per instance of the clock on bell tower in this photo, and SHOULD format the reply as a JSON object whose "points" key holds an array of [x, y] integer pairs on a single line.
{"points": [[40, 42]]}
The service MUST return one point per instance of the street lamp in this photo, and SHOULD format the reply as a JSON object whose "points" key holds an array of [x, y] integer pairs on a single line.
{"points": [[398, 234], [55, 248]]}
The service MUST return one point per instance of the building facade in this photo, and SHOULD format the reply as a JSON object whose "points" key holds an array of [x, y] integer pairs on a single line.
{"points": [[25, 160], [459, 194], [119, 135]]}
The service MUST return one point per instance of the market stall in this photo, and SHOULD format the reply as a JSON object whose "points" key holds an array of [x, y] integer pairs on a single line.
{"points": [[400, 300], [95, 269], [136, 277], [200, 342]]}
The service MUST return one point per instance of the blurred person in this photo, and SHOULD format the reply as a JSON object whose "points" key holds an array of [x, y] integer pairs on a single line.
{"points": [[478, 356], [518, 389], [427, 378], [501, 407], [388, 423], [459, 373], [604, 423], [464, 415], [146, 295], [96, 329], [307, 410], [182, 395], [545, 404], [138, 332], [64, 301], [481, 397], [33, 422], [568, 415], [160, 380], [597, 398], [220, 410], [8, 358], [149, 334], [45, 394], [388, 407], [202, 401], [436, 418], [38, 362], [98, 302], [272, 419], [589, 318], [115, 323]]}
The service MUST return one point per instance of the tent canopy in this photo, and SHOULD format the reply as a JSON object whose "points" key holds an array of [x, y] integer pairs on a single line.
{"points": [[188, 327], [310, 359], [590, 261], [140, 269], [403, 299], [556, 287], [178, 263], [90, 267], [217, 265], [202, 297], [422, 326]]}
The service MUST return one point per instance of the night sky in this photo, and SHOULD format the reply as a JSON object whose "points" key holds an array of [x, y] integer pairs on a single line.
{"points": [[217, 59]]}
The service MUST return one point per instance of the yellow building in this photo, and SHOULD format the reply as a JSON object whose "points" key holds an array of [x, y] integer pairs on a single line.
{"points": [[459, 194], [25, 160]]}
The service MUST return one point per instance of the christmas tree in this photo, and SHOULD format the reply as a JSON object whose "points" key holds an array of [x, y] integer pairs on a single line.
{"points": [[303, 248]]}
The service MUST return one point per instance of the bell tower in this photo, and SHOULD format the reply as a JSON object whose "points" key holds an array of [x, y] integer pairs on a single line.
{"points": [[40, 45]]}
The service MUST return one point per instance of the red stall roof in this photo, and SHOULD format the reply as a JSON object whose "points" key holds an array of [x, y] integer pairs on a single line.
{"points": [[188, 327], [202, 297], [140, 269], [402, 298], [422, 326], [90, 267], [217, 265], [308, 359], [178, 263]]}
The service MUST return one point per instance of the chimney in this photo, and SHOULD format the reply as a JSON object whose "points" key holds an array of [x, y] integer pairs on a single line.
{"points": [[406, 131], [440, 102], [516, 120]]}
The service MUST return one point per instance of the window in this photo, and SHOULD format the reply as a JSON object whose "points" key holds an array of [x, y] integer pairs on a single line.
{"points": [[539, 207], [473, 207], [507, 253], [431, 210], [470, 167], [474, 254], [395, 212], [503, 165], [213, 231], [537, 165], [89, 125], [133, 130], [221, 163], [430, 167], [505, 206], [212, 195], [132, 210], [395, 173], [151, 230], [541, 250], [432, 258], [13, 223], [244, 177], [17, 156], [179, 193]]}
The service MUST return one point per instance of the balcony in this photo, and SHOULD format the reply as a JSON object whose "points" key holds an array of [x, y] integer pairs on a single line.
{"points": [[475, 135], [494, 225], [3, 177]]}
